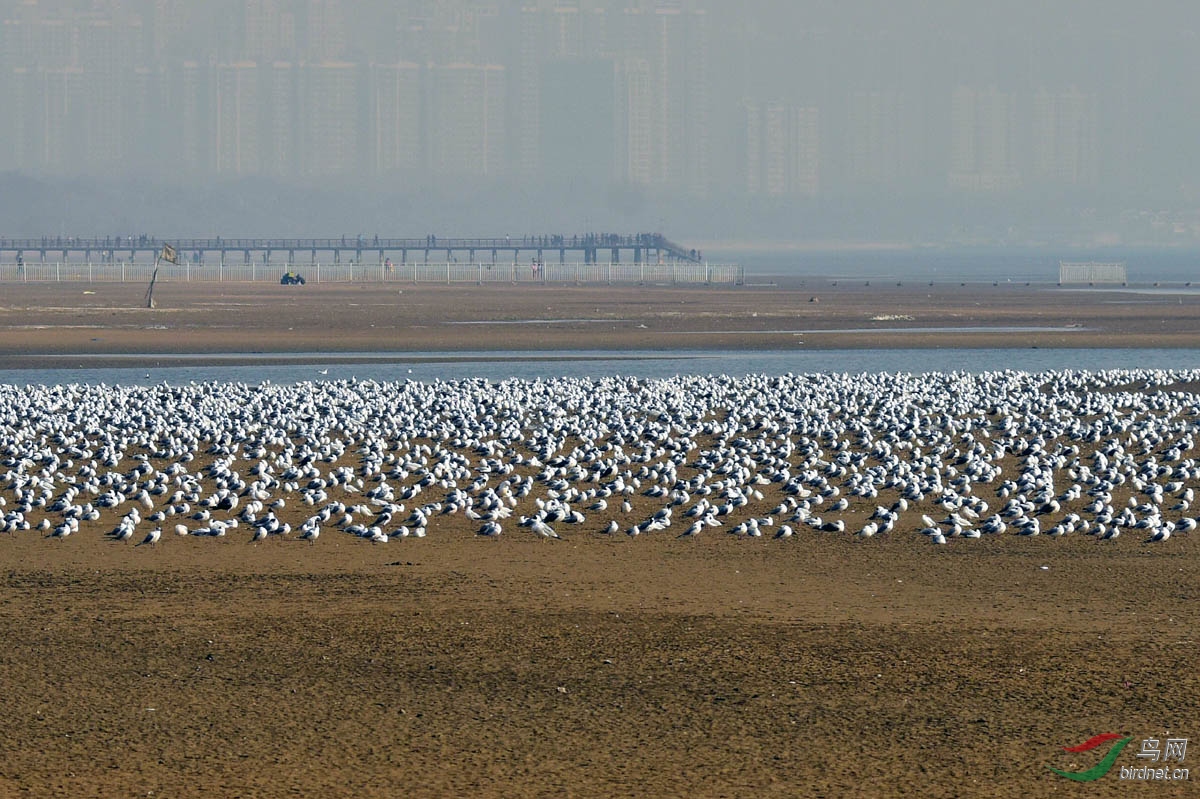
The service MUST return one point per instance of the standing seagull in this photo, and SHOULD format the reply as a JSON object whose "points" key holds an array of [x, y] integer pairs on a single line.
{"points": [[152, 536]]}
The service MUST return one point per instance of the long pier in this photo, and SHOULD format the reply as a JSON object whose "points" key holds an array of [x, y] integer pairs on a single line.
{"points": [[588, 248]]}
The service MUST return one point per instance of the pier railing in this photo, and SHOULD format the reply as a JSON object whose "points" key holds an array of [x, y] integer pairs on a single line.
{"points": [[594, 248], [447, 272]]}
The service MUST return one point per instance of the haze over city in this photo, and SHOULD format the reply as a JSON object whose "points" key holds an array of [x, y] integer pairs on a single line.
{"points": [[914, 122]]}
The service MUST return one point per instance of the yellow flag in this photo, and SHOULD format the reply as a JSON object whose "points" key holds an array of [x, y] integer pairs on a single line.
{"points": [[169, 255]]}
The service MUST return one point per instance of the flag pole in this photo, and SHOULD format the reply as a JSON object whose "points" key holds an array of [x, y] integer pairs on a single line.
{"points": [[153, 277]]}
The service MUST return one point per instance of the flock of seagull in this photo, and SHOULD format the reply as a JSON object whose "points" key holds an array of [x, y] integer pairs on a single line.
{"points": [[942, 456]]}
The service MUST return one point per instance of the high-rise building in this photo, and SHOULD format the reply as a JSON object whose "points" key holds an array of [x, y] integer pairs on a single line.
{"points": [[697, 110], [331, 118], [238, 120], [24, 125], [983, 149], [753, 143], [269, 31], [281, 124], [397, 119], [667, 48], [1065, 125], [147, 125], [804, 178], [634, 116], [169, 19], [60, 127], [527, 106], [325, 29], [53, 43], [783, 150], [190, 104], [681, 122], [876, 136], [100, 50], [466, 120]]}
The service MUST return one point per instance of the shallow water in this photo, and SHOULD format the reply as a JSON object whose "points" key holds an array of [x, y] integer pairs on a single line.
{"points": [[428, 366]]}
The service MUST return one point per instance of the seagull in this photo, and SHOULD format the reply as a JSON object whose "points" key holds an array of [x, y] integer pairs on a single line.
{"points": [[152, 536]]}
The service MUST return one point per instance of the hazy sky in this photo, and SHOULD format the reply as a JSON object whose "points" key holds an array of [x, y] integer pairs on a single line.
{"points": [[911, 120]]}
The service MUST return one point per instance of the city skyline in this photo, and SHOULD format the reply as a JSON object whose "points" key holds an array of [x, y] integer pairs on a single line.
{"points": [[674, 101]]}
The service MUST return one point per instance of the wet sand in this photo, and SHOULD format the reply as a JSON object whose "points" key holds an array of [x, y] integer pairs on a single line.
{"points": [[595, 666], [99, 319]]}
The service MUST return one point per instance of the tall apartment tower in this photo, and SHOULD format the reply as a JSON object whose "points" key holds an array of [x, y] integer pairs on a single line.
{"points": [[325, 31], [1065, 134], [681, 122], [280, 153], [238, 120], [269, 31], [397, 119], [983, 144], [466, 122], [697, 110], [876, 134], [634, 117], [783, 150], [191, 105], [330, 119], [60, 122]]}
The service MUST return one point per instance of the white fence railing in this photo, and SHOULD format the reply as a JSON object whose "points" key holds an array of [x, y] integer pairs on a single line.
{"points": [[412, 272]]}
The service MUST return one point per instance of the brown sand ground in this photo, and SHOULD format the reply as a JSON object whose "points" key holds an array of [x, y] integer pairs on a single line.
{"points": [[595, 666], [94, 319]]}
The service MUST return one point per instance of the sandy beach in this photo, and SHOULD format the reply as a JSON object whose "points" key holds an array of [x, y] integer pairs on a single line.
{"points": [[598, 665]]}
